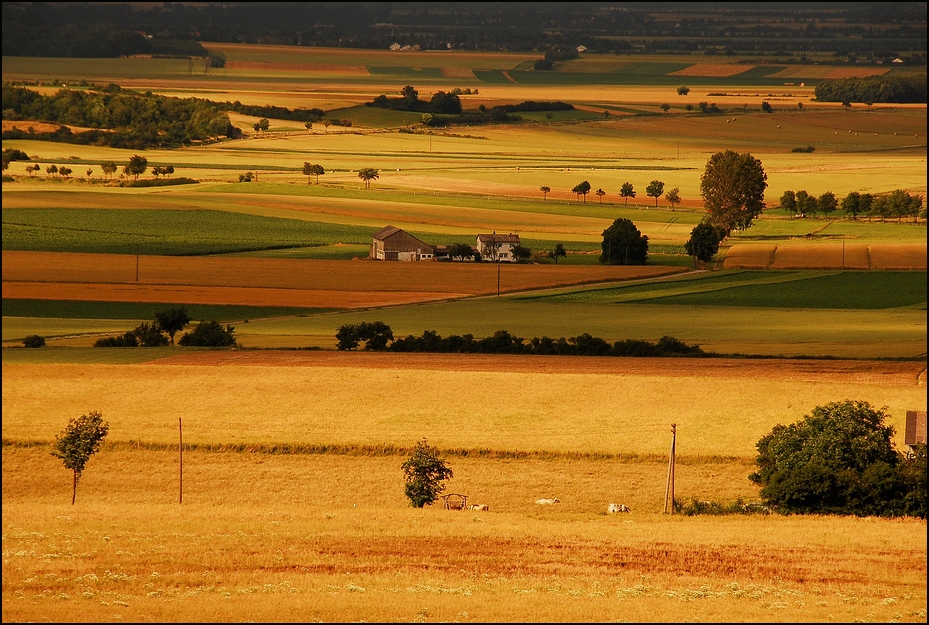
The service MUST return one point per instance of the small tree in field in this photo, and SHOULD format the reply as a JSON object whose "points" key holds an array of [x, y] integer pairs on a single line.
{"points": [[425, 472], [673, 196], [654, 189], [545, 191], [78, 442]]}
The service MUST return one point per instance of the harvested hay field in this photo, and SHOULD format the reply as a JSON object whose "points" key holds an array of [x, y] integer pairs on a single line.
{"points": [[280, 282], [831, 255]]}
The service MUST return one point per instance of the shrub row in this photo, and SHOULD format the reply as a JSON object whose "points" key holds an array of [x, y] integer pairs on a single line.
{"points": [[378, 336]]}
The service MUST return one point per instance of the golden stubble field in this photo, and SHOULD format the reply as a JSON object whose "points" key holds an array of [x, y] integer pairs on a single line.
{"points": [[329, 536]]}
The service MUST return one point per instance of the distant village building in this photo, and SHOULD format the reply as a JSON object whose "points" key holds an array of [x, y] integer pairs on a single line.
{"points": [[395, 46], [582, 48], [497, 247], [392, 243]]}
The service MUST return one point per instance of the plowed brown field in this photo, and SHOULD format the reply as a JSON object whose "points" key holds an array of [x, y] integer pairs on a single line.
{"points": [[279, 282]]}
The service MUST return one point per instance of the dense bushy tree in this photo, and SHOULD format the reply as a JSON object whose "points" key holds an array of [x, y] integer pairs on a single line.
{"points": [[374, 334], [34, 340], [461, 251], [425, 473], [623, 244], [733, 187], [838, 460], [78, 442], [209, 334], [855, 204], [704, 241]]}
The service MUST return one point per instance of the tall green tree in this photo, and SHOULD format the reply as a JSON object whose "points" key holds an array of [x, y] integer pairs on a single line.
{"points": [[733, 187], [108, 167], [673, 197], [627, 191], [839, 459], [600, 193], [368, 174], [582, 188], [172, 321], [424, 473], [654, 189], [623, 244], [78, 442]]}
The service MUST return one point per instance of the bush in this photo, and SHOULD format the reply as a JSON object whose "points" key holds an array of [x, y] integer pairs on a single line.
{"points": [[209, 334], [425, 472], [34, 340], [840, 460]]}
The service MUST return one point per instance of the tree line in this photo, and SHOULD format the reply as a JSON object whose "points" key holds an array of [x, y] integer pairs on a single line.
{"points": [[897, 204], [874, 89], [448, 104], [117, 117], [166, 325], [378, 336]]}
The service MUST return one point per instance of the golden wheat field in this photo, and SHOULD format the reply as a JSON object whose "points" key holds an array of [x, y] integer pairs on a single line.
{"points": [[251, 531], [266, 485]]}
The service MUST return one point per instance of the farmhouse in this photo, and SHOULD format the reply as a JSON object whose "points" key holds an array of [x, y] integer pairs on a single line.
{"points": [[497, 247], [392, 243]]}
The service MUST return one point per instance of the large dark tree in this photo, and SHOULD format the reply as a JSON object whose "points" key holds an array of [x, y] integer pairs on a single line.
{"points": [[839, 460], [623, 244], [733, 187]]}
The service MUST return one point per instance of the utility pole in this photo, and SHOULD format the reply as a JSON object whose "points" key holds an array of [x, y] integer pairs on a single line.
{"points": [[669, 491], [136, 262], [498, 277], [180, 451]]}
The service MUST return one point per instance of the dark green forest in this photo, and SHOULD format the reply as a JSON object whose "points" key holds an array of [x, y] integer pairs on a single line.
{"points": [[855, 31]]}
